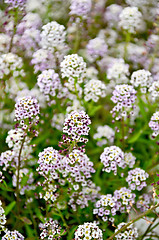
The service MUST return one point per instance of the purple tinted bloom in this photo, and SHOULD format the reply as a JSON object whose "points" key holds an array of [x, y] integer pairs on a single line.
{"points": [[16, 4]]}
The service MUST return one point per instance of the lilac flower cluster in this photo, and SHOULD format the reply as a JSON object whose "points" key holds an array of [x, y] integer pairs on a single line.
{"points": [[142, 79], [20, 4], [50, 230], [43, 59], [88, 231], [50, 162], [52, 35], [137, 179], [125, 199], [79, 167], [80, 8], [144, 202], [89, 193], [124, 96], [106, 207], [49, 84], [96, 48], [154, 124], [76, 125], [112, 157], [129, 233], [26, 112]]}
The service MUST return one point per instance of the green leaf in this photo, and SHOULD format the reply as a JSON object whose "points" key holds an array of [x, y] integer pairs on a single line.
{"points": [[9, 208], [26, 220], [39, 215], [94, 109]]}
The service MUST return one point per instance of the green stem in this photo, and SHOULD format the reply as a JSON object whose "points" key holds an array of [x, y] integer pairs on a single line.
{"points": [[127, 40], [14, 31], [18, 177], [64, 222], [134, 220]]}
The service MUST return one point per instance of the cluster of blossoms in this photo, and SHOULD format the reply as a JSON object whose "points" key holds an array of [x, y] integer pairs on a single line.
{"points": [[104, 135], [49, 83], [43, 59], [88, 231], [96, 48], [10, 63], [89, 193], [129, 233], [6, 158], [14, 138], [141, 78], [2, 217], [26, 112], [79, 167], [144, 202], [154, 124], [11, 235], [136, 179], [106, 207], [129, 159], [125, 199], [130, 19], [80, 8], [118, 71], [112, 157], [52, 35], [154, 90], [76, 125], [50, 161], [58, 121], [73, 68], [124, 96], [94, 89], [50, 230], [112, 13], [20, 4]]}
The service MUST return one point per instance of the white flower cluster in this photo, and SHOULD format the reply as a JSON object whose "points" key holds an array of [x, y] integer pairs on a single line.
{"points": [[10, 63], [52, 35], [11, 235], [104, 135], [154, 124], [94, 89], [14, 138], [73, 67], [130, 19], [2, 217], [88, 231], [129, 233], [118, 71], [154, 90], [58, 121], [129, 159], [141, 78]]}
